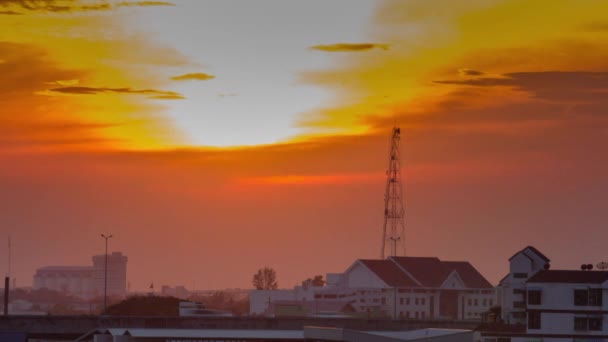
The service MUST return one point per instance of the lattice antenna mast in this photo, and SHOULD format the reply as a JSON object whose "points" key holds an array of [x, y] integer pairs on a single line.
{"points": [[393, 239]]}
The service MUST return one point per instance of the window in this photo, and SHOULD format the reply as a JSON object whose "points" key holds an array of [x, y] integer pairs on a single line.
{"points": [[407, 301], [580, 323], [520, 275], [534, 297], [416, 314], [503, 339], [519, 304], [470, 302], [422, 301], [595, 324], [518, 291], [533, 320], [581, 297], [519, 315], [422, 314], [407, 314], [416, 301], [401, 300], [475, 302], [595, 297], [491, 302], [584, 297], [485, 302], [383, 300]]}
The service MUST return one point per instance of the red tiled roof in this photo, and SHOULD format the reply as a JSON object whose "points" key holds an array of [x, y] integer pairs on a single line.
{"points": [[569, 277], [390, 273], [432, 272], [471, 277]]}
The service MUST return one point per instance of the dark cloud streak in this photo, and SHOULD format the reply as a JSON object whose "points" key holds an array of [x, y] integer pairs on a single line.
{"points": [[157, 94], [557, 86], [470, 72], [69, 6], [350, 47]]}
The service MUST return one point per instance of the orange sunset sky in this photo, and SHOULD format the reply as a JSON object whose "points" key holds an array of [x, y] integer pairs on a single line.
{"points": [[215, 137]]}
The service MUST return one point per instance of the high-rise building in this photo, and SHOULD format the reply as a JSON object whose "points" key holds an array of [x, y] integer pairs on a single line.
{"points": [[117, 273]]}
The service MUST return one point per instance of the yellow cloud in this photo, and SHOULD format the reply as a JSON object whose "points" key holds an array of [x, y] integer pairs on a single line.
{"points": [[198, 76]]}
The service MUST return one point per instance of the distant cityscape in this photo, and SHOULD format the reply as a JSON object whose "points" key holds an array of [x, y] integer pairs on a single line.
{"points": [[528, 302]]}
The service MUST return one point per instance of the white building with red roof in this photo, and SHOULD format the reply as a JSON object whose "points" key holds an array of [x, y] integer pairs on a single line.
{"points": [[399, 287]]}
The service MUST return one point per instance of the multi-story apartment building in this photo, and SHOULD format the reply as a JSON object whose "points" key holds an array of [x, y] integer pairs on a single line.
{"points": [[540, 304], [401, 287]]}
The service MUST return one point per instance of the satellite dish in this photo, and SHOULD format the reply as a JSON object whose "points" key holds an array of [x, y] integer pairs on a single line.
{"points": [[602, 265], [547, 266], [584, 267], [589, 267]]}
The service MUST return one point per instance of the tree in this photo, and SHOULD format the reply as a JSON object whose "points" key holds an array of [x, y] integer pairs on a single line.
{"points": [[265, 279], [316, 281]]}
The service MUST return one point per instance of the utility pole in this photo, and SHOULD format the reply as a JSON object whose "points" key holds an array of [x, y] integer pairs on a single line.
{"points": [[394, 212], [105, 280], [10, 252], [7, 279]]}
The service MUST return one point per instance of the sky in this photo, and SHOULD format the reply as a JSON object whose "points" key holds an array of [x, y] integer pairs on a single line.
{"points": [[212, 138]]}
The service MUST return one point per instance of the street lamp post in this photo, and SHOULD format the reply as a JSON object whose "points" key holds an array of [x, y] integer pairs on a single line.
{"points": [[105, 278]]}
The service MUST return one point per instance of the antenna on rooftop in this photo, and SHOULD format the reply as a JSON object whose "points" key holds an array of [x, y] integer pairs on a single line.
{"points": [[602, 265], [393, 231]]}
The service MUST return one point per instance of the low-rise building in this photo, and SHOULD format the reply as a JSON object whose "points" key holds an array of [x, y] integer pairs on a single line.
{"points": [[398, 287], [86, 281], [73, 280]]}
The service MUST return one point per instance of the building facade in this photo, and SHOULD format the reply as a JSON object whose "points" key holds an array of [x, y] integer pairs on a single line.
{"points": [[511, 290], [117, 273], [74, 280], [86, 281]]}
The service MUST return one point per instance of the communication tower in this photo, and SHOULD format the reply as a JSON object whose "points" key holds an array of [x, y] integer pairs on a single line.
{"points": [[393, 232]]}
